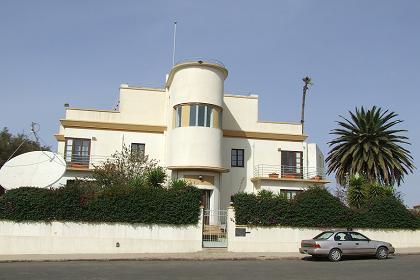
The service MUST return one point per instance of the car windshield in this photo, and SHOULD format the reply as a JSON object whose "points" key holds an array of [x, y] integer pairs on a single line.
{"points": [[323, 236]]}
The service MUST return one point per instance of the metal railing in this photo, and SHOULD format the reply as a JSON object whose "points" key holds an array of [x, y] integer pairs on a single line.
{"points": [[214, 228], [290, 172], [84, 162], [197, 59]]}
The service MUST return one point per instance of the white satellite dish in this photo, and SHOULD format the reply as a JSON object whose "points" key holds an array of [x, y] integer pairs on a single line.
{"points": [[34, 169]]}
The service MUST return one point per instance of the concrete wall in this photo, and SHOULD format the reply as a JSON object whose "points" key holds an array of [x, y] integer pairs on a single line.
{"points": [[83, 238], [284, 239]]}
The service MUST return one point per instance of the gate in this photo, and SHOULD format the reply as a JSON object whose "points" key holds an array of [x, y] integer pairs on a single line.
{"points": [[215, 228]]}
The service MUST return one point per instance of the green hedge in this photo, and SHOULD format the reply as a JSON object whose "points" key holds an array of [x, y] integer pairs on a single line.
{"points": [[317, 207], [178, 206]]}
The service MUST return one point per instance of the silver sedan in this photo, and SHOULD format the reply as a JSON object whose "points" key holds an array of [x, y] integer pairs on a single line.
{"points": [[335, 244]]}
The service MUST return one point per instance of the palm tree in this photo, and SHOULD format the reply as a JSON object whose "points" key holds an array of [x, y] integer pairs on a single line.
{"points": [[368, 145], [307, 82]]}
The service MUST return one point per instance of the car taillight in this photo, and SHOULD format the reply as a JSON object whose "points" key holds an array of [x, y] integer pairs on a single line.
{"points": [[317, 246]]}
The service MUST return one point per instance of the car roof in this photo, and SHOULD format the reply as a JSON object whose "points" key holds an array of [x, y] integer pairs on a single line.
{"points": [[338, 230]]}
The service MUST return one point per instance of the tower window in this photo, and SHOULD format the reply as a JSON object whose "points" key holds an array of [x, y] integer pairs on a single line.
{"points": [[197, 115]]}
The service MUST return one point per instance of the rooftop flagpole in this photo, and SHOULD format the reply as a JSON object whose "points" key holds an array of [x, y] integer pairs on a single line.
{"points": [[173, 53]]}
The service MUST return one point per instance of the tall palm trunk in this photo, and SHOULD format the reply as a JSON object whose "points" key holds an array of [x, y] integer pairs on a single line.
{"points": [[307, 81]]}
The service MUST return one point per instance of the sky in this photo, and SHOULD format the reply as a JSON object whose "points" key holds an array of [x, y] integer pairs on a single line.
{"points": [[358, 53]]}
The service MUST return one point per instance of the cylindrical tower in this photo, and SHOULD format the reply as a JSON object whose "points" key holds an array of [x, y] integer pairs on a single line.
{"points": [[196, 100]]}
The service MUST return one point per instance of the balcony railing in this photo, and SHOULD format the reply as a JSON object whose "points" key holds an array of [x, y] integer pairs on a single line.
{"points": [[84, 162], [288, 172], [197, 59]]}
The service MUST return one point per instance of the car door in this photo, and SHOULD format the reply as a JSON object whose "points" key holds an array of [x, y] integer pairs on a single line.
{"points": [[344, 242], [363, 246]]}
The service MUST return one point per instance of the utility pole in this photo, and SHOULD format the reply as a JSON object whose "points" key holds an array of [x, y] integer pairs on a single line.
{"points": [[308, 81]]}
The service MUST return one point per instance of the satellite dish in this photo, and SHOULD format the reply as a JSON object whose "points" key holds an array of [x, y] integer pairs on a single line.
{"points": [[34, 169]]}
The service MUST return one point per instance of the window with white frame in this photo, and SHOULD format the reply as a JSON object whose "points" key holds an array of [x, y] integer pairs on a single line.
{"points": [[77, 152], [178, 116], [197, 114]]}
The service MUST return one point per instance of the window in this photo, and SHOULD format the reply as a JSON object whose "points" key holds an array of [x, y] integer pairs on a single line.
{"points": [[291, 163], [201, 115], [290, 194], [237, 158], [197, 114], [324, 236], [138, 149], [342, 236], [193, 115], [77, 152], [178, 116], [358, 236], [209, 116]]}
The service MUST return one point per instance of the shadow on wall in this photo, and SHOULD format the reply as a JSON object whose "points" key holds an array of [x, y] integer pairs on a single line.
{"points": [[236, 180]]}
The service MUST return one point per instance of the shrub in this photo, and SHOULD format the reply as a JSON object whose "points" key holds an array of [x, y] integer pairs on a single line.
{"points": [[386, 212], [28, 203], [317, 207], [265, 209], [82, 201], [361, 192], [123, 168], [156, 177]]}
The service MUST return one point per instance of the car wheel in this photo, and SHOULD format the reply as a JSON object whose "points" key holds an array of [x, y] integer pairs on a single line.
{"points": [[335, 255], [382, 253]]}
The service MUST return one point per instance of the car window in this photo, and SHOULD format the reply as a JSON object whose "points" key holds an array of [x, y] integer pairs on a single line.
{"points": [[342, 236], [358, 237], [324, 236]]}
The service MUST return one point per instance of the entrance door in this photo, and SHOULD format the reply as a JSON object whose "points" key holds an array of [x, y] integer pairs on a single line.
{"points": [[205, 202]]}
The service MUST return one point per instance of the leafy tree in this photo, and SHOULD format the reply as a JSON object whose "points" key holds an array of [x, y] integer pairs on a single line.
{"points": [[361, 192], [10, 143], [14, 145], [368, 144], [124, 169]]}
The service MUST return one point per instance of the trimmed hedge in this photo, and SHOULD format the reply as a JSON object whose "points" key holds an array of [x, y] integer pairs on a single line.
{"points": [[317, 207], [177, 206]]}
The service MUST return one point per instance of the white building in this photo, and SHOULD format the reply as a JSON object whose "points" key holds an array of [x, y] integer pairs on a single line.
{"points": [[198, 132]]}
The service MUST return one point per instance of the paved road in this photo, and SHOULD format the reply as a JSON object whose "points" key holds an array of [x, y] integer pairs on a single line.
{"points": [[399, 267]]}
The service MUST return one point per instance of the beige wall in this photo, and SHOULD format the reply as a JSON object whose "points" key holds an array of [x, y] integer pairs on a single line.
{"points": [[241, 113], [88, 238], [197, 84], [143, 106], [286, 239], [104, 143]]}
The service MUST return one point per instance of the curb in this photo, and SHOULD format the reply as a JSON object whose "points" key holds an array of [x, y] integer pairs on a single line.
{"points": [[172, 258]]}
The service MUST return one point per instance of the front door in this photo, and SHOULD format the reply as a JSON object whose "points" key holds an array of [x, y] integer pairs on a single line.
{"points": [[363, 244], [205, 202], [345, 243]]}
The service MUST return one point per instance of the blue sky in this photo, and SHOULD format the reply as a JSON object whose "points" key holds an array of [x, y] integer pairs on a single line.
{"points": [[357, 52]]}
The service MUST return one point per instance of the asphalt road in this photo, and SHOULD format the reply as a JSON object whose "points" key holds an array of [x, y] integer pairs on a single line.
{"points": [[398, 267]]}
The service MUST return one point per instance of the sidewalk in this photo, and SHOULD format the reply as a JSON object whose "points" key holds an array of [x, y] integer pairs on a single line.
{"points": [[208, 254]]}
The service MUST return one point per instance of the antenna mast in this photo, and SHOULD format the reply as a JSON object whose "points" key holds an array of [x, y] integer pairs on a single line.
{"points": [[173, 53]]}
